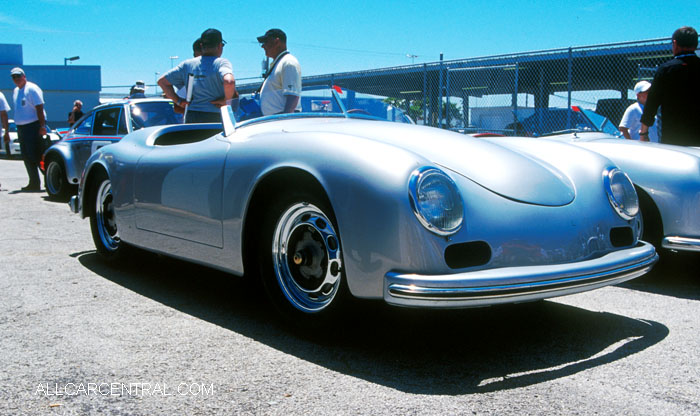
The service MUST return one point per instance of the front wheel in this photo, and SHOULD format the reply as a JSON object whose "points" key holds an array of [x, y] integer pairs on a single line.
{"points": [[57, 185], [103, 224], [301, 260]]}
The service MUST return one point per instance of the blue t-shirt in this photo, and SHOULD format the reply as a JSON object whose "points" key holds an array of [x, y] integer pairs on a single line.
{"points": [[208, 80]]}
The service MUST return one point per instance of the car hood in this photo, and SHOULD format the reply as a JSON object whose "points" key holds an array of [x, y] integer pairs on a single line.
{"points": [[641, 159], [503, 170]]}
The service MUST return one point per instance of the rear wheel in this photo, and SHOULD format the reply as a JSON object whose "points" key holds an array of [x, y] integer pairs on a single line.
{"points": [[57, 185], [301, 261], [103, 224]]}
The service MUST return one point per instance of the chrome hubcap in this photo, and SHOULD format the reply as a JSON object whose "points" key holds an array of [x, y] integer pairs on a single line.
{"points": [[104, 213], [306, 257]]}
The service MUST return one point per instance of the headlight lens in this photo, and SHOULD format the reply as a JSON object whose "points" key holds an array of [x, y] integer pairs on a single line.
{"points": [[436, 201], [621, 193]]}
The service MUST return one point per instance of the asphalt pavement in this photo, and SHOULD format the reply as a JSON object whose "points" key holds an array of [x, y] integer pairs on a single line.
{"points": [[157, 336]]}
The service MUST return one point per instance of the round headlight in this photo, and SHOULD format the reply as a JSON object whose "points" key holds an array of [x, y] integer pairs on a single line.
{"points": [[436, 201], [621, 193]]}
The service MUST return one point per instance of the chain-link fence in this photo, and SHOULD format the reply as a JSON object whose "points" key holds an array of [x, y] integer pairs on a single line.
{"points": [[525, 93]]}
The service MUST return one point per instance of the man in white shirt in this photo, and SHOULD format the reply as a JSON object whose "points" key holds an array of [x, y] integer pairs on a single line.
{"points": [[631, 120], [30, 119], [281, 90]]}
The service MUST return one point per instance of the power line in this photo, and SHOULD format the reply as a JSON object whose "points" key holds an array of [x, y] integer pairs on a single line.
{"points": [[360, 51]]}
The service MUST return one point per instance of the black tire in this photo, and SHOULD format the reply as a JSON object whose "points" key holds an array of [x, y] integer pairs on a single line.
{"points": [[652, 225], [56, 182], [300, 261], [103, 225]]}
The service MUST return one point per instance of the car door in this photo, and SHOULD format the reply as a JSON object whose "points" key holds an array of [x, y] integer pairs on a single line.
{"points": [[109, 126], [179, 191]]}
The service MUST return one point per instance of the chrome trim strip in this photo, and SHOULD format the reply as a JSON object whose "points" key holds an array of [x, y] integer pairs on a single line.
{"points": [[517, 284], [681, 243]]}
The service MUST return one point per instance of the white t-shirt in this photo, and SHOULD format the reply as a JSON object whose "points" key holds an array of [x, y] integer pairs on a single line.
{"points": [[632, 120], [26, 100], [284, 80], [4, 106]]}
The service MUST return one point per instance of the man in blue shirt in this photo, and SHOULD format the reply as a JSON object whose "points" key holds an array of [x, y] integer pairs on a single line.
{"points": [[211, 76]]}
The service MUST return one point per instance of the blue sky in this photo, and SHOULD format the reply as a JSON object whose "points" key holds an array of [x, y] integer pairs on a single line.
{"points": [[133, 40]]}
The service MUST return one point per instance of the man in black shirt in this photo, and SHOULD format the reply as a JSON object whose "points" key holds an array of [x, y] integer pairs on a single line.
{"points": [[676, 88]]}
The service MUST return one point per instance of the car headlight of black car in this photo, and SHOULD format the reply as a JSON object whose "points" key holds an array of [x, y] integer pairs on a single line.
{"points": [[436, 201], [621, 193]]}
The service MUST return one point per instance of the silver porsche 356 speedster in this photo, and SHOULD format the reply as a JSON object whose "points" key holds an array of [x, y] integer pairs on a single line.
{"points": [[667, 180], [323, 206]]}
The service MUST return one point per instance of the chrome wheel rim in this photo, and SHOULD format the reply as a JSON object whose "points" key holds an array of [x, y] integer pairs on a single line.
{"points": [[104, 216], [306, 257], [54, 175]]}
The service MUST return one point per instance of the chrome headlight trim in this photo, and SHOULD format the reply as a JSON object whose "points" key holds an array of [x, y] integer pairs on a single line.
{"points": [[436, 201], [621, 193]]}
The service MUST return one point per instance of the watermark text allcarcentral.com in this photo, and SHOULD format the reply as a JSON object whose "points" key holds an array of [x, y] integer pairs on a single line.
{"points": [[124, 389]]}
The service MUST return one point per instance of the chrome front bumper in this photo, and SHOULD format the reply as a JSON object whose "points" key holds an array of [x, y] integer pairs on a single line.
{"points": [[681, 243], [517, 284]]}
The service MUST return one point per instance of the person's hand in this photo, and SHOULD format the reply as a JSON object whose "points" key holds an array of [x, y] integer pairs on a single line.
{"points": [[6, 136], [219, 103], [181, 103], [42, 131]]}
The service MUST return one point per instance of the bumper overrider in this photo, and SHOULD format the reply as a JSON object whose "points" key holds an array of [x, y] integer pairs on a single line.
{"points": [[74, 204], [681, 243], [517, 284]]}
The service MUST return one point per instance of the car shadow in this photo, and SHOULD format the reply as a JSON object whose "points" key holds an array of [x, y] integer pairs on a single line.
{"points": [[676, 274], [54, 200], [450, 352]]}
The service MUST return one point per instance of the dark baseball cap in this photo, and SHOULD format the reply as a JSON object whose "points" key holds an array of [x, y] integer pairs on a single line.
{"points": [[271, 34], [211, 37]]}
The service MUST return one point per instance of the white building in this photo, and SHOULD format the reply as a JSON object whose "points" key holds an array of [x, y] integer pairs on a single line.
{"points": [[62, 84]]}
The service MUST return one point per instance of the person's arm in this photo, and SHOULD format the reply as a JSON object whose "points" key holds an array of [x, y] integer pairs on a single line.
{"points": [[229, 91], [291, 82], [42, 119], [651, 107], [644, 133], [229, 87], [625, 132], [5, 126], [169, 92], [291, 103]]}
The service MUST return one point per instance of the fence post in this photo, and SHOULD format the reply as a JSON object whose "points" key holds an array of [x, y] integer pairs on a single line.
{"points": [[447, 96], [439, 95], [514, 102], [568, 86], [425, 93]]}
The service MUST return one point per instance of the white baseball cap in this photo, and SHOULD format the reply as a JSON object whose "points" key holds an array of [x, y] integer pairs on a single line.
{"points": [[642, 86]]}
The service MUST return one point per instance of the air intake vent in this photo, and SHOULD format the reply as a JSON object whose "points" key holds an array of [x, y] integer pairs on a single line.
{"points": [[621, 237], [462, 255]]}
